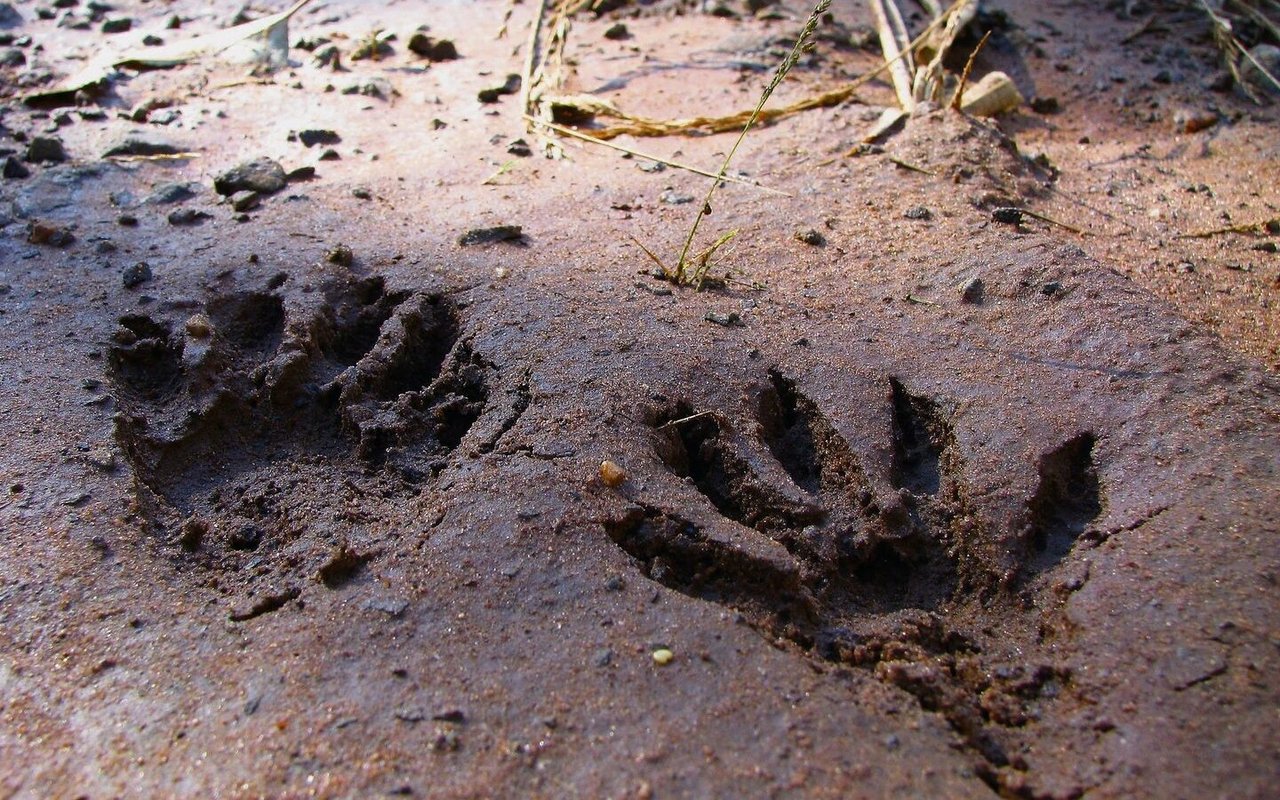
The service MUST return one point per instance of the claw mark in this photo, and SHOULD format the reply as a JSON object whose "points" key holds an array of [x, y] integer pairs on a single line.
{"points": [[677, 554], [146, 359], [1067, 501], [789, 422], [853, 584], [920, 433], [694, 446]]}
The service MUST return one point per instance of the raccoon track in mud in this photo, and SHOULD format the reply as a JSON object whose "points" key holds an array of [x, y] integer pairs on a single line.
{"points": [[854, 584], [241, 424]]}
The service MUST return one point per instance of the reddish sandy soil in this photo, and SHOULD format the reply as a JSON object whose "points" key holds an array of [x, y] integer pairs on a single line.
{"points": [[312, 505]]}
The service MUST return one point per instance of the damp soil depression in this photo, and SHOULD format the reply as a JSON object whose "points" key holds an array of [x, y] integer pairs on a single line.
{"points": [[303, 493]]}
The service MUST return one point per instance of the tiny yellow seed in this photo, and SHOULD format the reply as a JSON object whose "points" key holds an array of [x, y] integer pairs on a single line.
{"points": [[662, 656], [612, 474]]}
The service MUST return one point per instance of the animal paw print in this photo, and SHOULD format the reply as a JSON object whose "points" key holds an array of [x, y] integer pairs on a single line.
{"points": [[860, 558], [863, 543], [241, 419]]}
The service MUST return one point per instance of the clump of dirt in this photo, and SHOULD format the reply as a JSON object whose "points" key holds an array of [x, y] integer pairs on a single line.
{"points": [[976, 156]]}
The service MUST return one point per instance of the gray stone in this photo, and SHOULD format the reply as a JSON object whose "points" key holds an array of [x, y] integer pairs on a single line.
{"points": [[9, 18], [432, 49], [371, 87], [187, 216], [13, 168], [136, 146], [260, 175], [245, 201], [136, 275], [169, 193], [46, 149]]}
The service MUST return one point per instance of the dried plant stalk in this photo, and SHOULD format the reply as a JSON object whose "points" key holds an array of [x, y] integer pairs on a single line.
{"points": [[695, 273]]}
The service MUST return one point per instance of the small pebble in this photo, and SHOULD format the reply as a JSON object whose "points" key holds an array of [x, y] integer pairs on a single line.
{"points": [[662, 656], [340, 255], [199, 327], [810, 236], [46, 148], [423, 45], [245, 201], [13, 168], [1007, 215], [187, 216], [612, 474], [136, 275], [52, 235], [117, 25], [725, 320]]}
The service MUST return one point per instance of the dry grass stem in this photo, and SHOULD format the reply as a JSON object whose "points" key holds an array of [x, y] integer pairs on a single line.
{"points": [[1243, 227], [968, 67], [576, 134], [929, 82], [1232, 49], [635, 125], [695, 273], [913, 167], [897, 55]]}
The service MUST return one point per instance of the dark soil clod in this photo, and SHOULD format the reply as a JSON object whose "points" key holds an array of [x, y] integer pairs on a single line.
{"points": [[497, 233]]}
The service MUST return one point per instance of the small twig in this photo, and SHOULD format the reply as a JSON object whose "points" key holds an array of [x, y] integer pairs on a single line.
{"points": [[531, 57], [1142, 29], [160, 157], [683, 420], [506, 19], [652, 255], [908, 165], [1249, 56], [897, 57], [245, 82], [1243, 227], [1051, 221], [920, 301], [788, 63], [968, 67], [642, 126], [502, 170]]}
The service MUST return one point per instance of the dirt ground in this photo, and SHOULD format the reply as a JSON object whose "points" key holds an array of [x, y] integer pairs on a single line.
{"points": [[305, 497]]}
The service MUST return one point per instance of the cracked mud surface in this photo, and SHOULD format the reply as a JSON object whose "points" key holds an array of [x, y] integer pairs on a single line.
{"points": [[283, 524]]}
